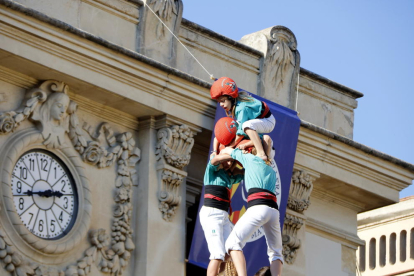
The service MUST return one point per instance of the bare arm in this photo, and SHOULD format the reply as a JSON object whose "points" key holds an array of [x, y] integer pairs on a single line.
{"points": [[220, 158], [215, 148], [235, 141]]}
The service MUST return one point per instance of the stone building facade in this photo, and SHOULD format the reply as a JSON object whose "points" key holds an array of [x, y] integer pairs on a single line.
{"points": [[388, 236], [98, 94]]}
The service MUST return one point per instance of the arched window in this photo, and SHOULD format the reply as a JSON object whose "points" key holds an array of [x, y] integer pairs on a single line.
{"points": [[393, 250], [412, 244], [372, 253], [403, 246], [362, 257], [382, 251]]}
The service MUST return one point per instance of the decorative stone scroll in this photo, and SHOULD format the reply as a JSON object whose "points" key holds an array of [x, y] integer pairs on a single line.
{"points": [[280, 68], [173, 154], [300, 190], [50, 108], [289, 237], [165, 9], [299, 200]]}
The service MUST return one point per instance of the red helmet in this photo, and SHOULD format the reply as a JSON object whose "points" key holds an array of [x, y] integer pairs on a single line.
{"points": [[224, 86], [225, 130]]}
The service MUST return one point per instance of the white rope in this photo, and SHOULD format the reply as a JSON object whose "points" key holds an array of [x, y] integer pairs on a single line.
{"points": [[211, 75]]}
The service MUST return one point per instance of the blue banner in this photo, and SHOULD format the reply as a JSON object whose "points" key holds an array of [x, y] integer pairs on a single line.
{"points": [[285, 138]]}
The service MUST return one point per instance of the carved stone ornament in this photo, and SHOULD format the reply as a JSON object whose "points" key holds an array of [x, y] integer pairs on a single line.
{"points": [[300, 191], [173, 154], [281, 64], [58, 130], [281, 55], [289, 237], [165, 9]]}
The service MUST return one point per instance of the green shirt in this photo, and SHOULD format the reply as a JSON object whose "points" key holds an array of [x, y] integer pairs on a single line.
{"points": [[220, 177], [256, 173], [246, 111]]}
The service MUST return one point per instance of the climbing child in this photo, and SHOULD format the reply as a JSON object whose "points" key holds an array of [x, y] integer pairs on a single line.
{"points": [[262, 210], [220, 175], [253, 116]]}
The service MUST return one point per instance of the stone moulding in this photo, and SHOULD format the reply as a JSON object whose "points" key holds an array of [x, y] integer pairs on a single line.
{"points": [[54, 114], [173, 153], [289, 237]]}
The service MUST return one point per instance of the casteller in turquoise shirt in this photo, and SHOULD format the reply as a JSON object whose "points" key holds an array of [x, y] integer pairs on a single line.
{"points": [[246, 111], [220, 177], [256, 173]]}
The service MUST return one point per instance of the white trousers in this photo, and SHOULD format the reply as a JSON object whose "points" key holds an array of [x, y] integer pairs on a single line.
{"points": [[264, 125], [256, 216], [217, 227]]}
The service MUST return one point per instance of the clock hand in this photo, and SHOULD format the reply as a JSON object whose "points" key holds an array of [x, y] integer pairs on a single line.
{"points": [[47, 193]]}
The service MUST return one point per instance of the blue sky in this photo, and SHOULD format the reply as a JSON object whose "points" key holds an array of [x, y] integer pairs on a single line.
{"points": [[365, 45]]}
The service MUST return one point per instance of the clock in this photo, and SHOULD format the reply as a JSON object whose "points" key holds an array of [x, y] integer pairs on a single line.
{"points": [[44, 194]]}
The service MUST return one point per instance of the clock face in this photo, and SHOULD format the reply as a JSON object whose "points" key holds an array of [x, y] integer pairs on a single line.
{"points": [[44, 194]]}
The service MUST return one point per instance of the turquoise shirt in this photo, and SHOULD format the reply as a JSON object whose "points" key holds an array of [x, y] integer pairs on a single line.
{"points": [[219, 177], [256, 173], [246, 111]]}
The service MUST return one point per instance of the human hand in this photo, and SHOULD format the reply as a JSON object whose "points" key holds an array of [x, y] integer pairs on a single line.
{"points": [[241, 146], [213, 154]]}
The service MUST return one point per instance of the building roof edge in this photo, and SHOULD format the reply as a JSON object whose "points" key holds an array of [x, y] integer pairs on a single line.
{"points": [[357, 145], [221, 37], [351, 92], [115, 47]]}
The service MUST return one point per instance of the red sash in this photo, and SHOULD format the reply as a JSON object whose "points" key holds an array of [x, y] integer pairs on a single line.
{"points": [[221, 199], [265, 111], [261, 195]]}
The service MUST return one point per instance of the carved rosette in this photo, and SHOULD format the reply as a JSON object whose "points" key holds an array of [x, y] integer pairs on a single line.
{"points": [[173, 154], [50, 108], [289, 237], [300, 190]]}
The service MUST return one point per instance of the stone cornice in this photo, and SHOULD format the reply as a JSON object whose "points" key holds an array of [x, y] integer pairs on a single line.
{"points": [[341, 88], [207, 32], [341, 157], [389, 220], [86, 105], [335, 234], [139, 76], [167, 121], [105, 112], [314, 174], [357, 145], [346, 202], [16, 78], [69, 28], [314, 93]]}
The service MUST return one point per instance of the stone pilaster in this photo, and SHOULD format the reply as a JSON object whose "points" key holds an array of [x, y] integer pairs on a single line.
{"points": [[161, 195], [279, 69]]}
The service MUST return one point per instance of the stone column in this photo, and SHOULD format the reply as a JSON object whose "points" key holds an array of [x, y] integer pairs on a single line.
{"points": [[160, 196], [153, 38], [292, 235], [279, 68]]}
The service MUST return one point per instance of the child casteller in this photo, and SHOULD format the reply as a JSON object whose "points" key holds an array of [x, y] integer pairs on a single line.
{"points": [[253, 116]]}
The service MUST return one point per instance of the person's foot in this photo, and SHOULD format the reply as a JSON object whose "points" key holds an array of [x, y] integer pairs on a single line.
{"points": [[263, 157]]}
